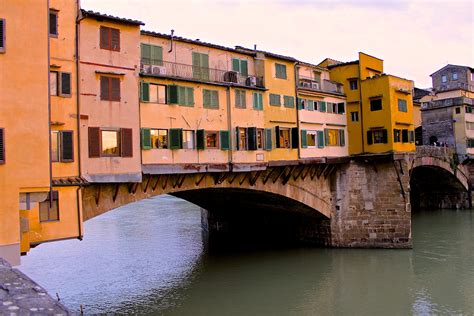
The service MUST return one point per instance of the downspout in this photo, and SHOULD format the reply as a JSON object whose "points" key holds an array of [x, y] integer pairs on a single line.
{"points": [[78, 106], [361, 110], [297, 110], [229, 126], [49, 116]]}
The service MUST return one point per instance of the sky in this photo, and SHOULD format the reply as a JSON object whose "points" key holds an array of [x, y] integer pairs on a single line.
{"points": [[414, 38]]}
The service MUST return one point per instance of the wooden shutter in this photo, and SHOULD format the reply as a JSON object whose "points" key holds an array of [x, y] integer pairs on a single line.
{"points": [[268, 139], [235, 64], [145, 51], [156, 55], [146, 138], [340, 108], [310, 105], [342, 138], [2, 146], [173, 94], [320, 139], [304, 139], [244, 68], [94, 142], [326, 136], [115, 39], [65, 82], [369, 138], [224, 140], [277, 136], [67, 146], [2, 35], [200, 139], [295, 139], [104, 37], [115, 89], [189, 96], [404, 136], [205, 66], [237, 138], [145, 91], [300, 103], [260, 101], [322, 106], [255, 100], [252, 138], [176, 138], [127, 142], [385, 136], [215, 99], [104, 88], [206, 98]]}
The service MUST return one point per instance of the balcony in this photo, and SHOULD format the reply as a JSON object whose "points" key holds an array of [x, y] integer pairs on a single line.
{"points": [[320, 86], [184, 71]]}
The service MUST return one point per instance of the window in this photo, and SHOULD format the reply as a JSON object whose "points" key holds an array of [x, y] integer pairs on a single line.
{"points": [[60, 84], [396, 135], [200, 66], [260, 138], [378, 136], [109, 38], [470, 143], [458, 110], [2, 146], [280, 71], [257, 101], [53, 23], [468, 109], [241, 138], [151, 54], [355, 116], [62, 148], [455, 76], [376, 104], [180, 95], [412, 137], [275, 99], [158, 93], [159, 138], [353, 84], [212, 140], [53, 82], [470, 126], [288, 102], [404, 136], [240, 101], [402, 105], [311, 139], [108, 142], [444, 78], [317, 76], [109, 88], [49, 209], [283, 137], [334, 137], [2, 35], [210, 99], [241, 66], [188, 139]]}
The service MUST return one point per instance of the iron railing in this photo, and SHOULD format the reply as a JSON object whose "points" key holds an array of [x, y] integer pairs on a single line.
{"points": [[323, 85], [177, 70]]}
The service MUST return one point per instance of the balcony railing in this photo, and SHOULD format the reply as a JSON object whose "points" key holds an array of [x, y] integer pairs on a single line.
{"points": [[455, 85], [324, 85], [169, 69]]}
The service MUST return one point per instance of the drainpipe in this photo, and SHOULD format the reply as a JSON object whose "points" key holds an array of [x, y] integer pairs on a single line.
{"points": [[296, 106], [361, 111], [49, 117], [78, 106], [78, 203], [229, 126]]}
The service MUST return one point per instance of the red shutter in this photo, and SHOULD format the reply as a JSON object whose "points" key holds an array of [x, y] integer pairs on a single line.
{"points": [[94, 142], [2, 146], [127, 142], [115, 39], [104, 37], [104, 88], [115, 89]]}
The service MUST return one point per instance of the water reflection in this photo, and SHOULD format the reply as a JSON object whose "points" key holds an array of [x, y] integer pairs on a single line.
{"points": [[149, 258]]}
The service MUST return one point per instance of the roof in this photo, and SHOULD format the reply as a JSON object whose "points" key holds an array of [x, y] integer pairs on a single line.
{"points": [[451, 65], [354, 62], [100, 16], [197, 42], [311, 65], [269, 54], [420, 93]]}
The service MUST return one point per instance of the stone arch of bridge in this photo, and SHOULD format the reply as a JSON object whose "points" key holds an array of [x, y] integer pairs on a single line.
{"points": [[441, 169]]}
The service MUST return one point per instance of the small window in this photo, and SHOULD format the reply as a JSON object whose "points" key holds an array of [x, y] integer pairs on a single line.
{"points": [[311, 139], [62, 148], [210, 99], [64, 84], [470, 126], [53, 23], [288, 102], [257, 101], [157, 93], [2, 35], [280, 71], [159, 138], [379, 136], [402, 105], [396, 135], [260, 138], [109, 88], [109, 38], [53, 83], [188, 139], [275, 99], [49, 209], [2, 146], [355, 116], [55, 146], [444, 78], [353, 84], [242, 138], [455, 76], [284, 137], [458, 110], [240, 100], [376, 104], [110, 143], [212, 140]]}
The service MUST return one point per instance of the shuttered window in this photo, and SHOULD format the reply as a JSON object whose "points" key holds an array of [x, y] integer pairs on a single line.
{"points": [[404, 136], [200, 139], [252, 138], [320, 139], [257, 101], [240, 65], [280, 71], [2, 146], [310, 105], [377, 137], [200, 66], [109, 88], [322, 106], [109, 38], [268, 139], [275, 99], [65, 84], [181, 95], [110, 142], [224, 140], [49, 209], [288, 102], [151, 54], [127, 142], [53, 23], [2, 35], [240, 99], [210, 99]]}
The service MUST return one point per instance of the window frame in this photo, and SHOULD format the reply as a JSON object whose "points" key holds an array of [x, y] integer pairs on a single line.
{"points": [[119, 142], [158, 85], [193, 137], [261, 134], [288, 130], [241, 93], [57, 140], [380, 137], [453, 75], [109, 42], [315, 133], [2, 146], [167, 138], [288, 101], [355, 114], [55, 13], [110, 80], [444, 78], [258, 106], [56, 76], [372, 107], [282, 67], [206, 134], [272, 99], [210, 105], [242, 132], [404, 107]]}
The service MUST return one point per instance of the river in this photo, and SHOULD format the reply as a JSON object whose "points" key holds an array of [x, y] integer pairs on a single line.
{"points": [[149, 258]]}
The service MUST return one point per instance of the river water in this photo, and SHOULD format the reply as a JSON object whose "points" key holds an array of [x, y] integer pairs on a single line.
{"points": [[149, 258]]}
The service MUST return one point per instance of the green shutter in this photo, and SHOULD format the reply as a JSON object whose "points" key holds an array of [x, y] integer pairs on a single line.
{"points": [[146, 138], [225, 140], [255, 101], [205, 66], [206, 98], [145, 91], [196, 65], [300, 104], [145, 53], [342, 138], [268, 139], [190, 96], [320, 139], [181, 95], [235, 64], [176, 138], [237, 138], [322, 106], [215, 99], [173, 94], [156, 55], [260, 101], [304, 139], [200, 139], [310, 105], [244, 68], [326, 136]]}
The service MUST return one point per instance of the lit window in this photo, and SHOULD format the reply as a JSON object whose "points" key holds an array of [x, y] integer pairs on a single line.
{"points": [[212, 140], [55, 146], [260, 138], [110, 143], [159, 138], [355, 116], [332, 136], [49, 209], [284, 137], [311, 139], [188, 139], [242, 133], [353, 84]]}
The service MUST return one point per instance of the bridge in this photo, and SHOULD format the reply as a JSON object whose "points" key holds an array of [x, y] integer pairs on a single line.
{"points": [[359, 201]]}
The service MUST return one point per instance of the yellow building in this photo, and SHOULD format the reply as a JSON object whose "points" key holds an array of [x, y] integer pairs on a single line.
{"points": [[380, 115]]}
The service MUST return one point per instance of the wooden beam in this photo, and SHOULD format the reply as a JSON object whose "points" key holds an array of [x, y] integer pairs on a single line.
{"points": [[165, 182], [329, 171], [147, 183], [322, 170], [153, 188], [307, 172], [287, 177], [268, 175], [254, 179], [243, 179], [97, 196], [279, 174], [116, 190], [198, 182], [231, 180], [297, 175]]}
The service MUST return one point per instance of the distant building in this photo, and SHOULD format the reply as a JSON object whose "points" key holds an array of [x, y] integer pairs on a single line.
{"points": [[418, 94]]}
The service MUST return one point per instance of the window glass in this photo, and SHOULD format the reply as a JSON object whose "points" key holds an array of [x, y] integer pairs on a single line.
{"points": [[159, 138], [455, 76], [396, 135], [402, 105], [332, 137], [53, 83], [110, 143], [353, 84], [354, 116], [211, 140], [53, 23], [285, 138], [378, 136], [260, 138], [242, 139], [188, 139], [376, 104], [55, 146], [311, 140]]}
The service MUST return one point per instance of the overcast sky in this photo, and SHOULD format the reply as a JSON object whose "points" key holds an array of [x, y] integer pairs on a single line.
{"points": [[414, 38]]}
